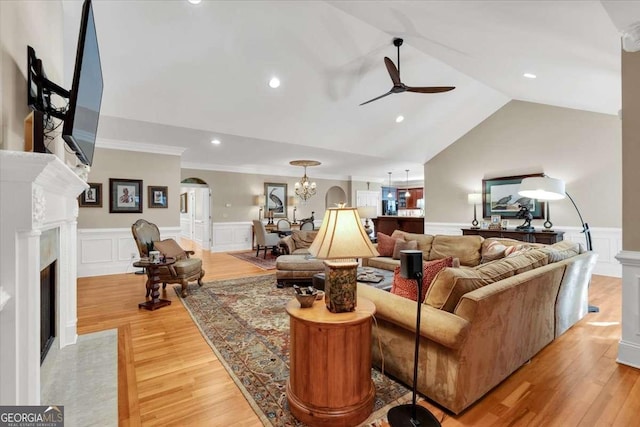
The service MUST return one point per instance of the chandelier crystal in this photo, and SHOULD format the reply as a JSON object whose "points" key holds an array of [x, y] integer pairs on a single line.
{"points": [[304, 188]]}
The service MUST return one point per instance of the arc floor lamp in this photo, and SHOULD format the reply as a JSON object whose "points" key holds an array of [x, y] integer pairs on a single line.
{"points": [[548, 189]]}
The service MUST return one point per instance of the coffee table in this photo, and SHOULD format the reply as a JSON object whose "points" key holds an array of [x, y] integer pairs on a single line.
{"points": [[384, 284]]}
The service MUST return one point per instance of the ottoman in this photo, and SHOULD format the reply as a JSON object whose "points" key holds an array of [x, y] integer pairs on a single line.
{"points": [[297, 269]]}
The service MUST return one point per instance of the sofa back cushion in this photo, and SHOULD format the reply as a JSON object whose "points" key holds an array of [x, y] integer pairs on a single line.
{"points": [[452, 283], [423, 240], [302, 239], [465, 248]]}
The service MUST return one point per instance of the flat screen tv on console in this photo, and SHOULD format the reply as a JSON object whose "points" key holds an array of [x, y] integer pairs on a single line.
{"points": [[80, 117]]}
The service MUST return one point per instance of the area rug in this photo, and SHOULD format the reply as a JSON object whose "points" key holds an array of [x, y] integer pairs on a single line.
{"points": [[266, 264], [245, 323]]}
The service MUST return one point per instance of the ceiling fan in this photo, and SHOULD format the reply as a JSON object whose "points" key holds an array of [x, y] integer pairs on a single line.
{"points": [[398, 86]]}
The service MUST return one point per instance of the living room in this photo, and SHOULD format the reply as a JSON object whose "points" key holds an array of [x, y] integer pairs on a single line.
{"points": [[586, 149]]}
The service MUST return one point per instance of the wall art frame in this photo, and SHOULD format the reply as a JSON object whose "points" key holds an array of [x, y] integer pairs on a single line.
{"points": [[275, 201], [125, 195], [500, 197], [92, 196], [157, 196]]}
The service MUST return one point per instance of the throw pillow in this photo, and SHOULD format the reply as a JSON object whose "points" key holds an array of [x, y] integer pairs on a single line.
{"points": [[407, 287], [386, 245], [402, 245], [495, 250], [170, 248]]}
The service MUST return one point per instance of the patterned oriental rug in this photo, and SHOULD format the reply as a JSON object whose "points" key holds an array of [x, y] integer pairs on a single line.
{"points": [[266, 264], [245, 323]]}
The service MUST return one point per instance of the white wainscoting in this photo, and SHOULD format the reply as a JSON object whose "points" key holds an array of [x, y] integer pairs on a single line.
{"points": [[111, 250], [231, 236], [606, 242]]}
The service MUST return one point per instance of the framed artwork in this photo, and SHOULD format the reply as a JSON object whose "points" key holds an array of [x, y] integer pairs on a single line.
{"points": [[125, 195], [275, 200], [92, 196], [157, 197], [505, 224], [500, 197], [183, 203]]}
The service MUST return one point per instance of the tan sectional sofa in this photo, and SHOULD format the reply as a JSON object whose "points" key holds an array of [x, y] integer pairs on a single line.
{"points": [[480, 322]]}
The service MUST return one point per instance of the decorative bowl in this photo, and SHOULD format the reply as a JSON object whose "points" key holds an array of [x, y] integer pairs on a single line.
{"points": [[319, 295], [306, 301]]}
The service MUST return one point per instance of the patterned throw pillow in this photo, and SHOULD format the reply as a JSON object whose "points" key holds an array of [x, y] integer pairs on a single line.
{"points": [[170, 248], [402, 245], [407, 287], [386, 244], [495, 250]]}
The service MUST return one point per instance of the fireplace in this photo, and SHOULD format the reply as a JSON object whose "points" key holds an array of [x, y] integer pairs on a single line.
{"points": [[47, 308], [39, 210]]}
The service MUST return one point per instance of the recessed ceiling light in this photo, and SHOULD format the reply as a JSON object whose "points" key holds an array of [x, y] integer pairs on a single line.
{"points": [[274, 82], [529, 75], [215, 141], [399, 119], [194, 1]]}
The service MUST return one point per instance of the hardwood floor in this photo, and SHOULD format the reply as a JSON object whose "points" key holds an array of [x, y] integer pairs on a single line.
{"points": [[168, 375]]}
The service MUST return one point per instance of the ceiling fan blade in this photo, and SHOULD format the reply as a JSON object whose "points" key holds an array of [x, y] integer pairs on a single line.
{"points": [[376, 98], [393, 71], [432, 89]]}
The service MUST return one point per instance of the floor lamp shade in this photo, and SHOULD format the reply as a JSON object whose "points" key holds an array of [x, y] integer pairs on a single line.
{"points": [[340, 240], [542, 188]]}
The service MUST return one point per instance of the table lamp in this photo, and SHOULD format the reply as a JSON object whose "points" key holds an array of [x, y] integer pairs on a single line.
{"points": [[340, 241], [260, 199], [367, 212], [474, 199]]}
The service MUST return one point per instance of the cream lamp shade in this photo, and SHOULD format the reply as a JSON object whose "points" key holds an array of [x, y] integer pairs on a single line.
{"points": [[260, 200], [542, 188], [342, 236], [474, 198], [367, 211]]}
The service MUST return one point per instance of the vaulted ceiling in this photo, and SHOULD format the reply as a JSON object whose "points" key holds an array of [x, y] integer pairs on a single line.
{"points": [[180, 75]]}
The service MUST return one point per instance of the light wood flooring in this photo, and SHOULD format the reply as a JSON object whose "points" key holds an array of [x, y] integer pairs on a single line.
{"points": [[168, 375]]}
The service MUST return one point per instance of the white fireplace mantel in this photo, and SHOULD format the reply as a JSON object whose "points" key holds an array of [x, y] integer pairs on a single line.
{"points": [[37, 192]]}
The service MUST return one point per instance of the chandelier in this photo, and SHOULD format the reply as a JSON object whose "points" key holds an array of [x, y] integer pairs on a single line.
{"points": [[303, 188]]}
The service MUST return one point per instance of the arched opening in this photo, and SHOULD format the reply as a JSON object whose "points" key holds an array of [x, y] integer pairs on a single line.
{"points": [[335, 195], [195, 211]]}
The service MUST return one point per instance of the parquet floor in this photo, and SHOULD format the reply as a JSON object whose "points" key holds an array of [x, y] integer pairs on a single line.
{"points": [[168, 375]]}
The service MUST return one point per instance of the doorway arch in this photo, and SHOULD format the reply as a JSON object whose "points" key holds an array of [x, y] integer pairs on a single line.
{"points": [[195, 218]]}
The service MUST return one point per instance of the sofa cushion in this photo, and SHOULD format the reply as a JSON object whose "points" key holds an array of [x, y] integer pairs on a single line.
{"points": [[424, 241], [492, 251], [467, 248], [386, 244], [383, 262], [407, 287], [403, 245], [302, 239], [561, 251], [450, 284], [170, 248]]}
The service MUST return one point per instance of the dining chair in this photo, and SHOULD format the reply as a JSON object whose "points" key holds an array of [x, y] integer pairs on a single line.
{"points": [[264, 239]]}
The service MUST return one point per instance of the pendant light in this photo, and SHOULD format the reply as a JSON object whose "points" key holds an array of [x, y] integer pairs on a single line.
{"points": [[390, 195], [407, 194]]}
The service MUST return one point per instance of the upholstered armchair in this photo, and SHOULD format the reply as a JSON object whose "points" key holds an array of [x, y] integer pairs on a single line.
{"points": [[184, 270]]}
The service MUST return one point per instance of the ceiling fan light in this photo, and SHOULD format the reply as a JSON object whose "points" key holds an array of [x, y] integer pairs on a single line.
{"points": [[215, 141], [529, 75], [399, 119]]}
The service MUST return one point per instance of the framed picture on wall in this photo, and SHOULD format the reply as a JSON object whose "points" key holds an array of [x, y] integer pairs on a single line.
{"points": [[157, 197], [275, 200], [183, 203], [92, 196], [500, 197], [125, 195]]}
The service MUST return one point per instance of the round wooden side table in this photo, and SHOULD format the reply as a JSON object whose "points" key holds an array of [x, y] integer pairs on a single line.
{"points": [[154, 281], [330, 366]]}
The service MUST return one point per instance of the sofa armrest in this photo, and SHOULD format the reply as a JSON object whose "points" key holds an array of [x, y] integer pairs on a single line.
{"points": [[436, 325], [287, 244]]}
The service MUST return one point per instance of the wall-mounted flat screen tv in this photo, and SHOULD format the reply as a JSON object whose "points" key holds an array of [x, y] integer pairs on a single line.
{"points": [[81, 120]]}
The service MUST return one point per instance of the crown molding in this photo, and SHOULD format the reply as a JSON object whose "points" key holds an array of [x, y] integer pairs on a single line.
{"points": [[142, 147]]}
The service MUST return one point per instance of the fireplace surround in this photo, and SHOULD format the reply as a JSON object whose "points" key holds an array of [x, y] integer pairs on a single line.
{"points": [[38, 192]]}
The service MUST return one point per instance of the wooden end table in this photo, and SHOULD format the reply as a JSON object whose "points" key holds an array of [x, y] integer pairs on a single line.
{"points": [[154, 281], [330, 366]]}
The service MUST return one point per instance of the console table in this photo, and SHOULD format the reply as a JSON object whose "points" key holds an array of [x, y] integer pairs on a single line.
{"points": [[546, 237], [330, 365]]}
